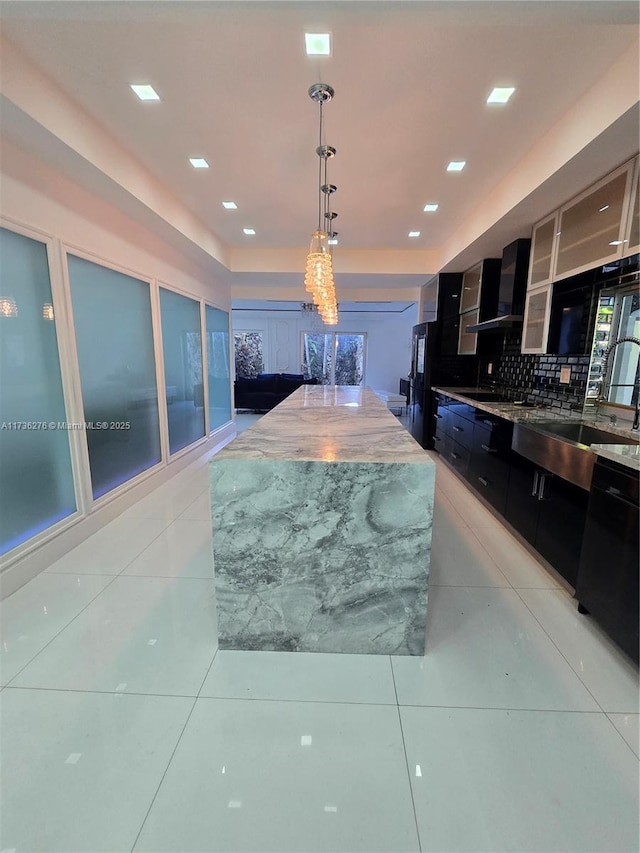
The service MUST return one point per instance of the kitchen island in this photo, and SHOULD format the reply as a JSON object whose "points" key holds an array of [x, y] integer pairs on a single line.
{"points": [[322, 519]]}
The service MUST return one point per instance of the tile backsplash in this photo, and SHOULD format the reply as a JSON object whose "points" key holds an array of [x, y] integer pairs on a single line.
{"points": [[536, 377]]}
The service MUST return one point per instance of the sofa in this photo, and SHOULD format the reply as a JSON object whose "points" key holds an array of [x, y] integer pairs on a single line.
{"points": [[267, 390]]}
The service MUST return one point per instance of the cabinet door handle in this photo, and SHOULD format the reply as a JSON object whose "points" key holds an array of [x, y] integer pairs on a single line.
{"points": [[536, 479], [437, 438], [437, 416], [543, 481], [488, 449], [483, 481], [611, 490], [458, 429], [455, 455]]}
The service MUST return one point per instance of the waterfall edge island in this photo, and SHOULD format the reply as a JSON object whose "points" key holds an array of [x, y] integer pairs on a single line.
{"points": [[321, 518]]}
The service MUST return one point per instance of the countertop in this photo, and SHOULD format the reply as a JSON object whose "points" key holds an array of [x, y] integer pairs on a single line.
{"points": [[624, 454], [354, 425]]}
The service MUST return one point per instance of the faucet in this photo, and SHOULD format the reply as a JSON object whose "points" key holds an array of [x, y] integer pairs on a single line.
{"points": [[602, 394]]}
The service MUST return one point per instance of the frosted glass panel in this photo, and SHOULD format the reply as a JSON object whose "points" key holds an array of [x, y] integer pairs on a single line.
{"points": [[182, 345], [36, 480], [114, 337], [218, 367]]}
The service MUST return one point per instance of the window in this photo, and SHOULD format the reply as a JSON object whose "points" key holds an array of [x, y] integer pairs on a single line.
{"points": [[336, 358], [218, 368], [36, 480], [114, 340], [182, 348]]}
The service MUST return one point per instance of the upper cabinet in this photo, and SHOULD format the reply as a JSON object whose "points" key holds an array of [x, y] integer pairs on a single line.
{"points": [[542, 248], [478, 301], [591, 227], [471, 289], [595, 228], [633, 233]]}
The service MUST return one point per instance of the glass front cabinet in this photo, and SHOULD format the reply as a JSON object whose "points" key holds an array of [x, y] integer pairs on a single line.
{"points": [[536, 320]]}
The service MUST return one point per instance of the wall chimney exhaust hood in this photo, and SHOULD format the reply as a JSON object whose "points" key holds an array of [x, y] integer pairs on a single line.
{"points": [[513, 287]]}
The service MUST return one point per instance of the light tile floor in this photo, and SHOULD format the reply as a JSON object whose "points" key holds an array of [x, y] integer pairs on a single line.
{"points": [[123, 729]]}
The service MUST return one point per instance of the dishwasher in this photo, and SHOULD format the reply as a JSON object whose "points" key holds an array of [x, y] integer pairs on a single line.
{"points": [[607, 584]]}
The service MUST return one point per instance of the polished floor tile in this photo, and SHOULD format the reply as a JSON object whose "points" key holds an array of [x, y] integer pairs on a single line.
{"points": [[301, 676], [467, 505], [184, 549], [79, 770], [605, 670], [459, 559], [285, 777], [519, 566], [34, 614], [546, 782], [629, 727], [141, 635], [112, 548], [165, 504], [484, 649], [444, 513], [199, 510]]}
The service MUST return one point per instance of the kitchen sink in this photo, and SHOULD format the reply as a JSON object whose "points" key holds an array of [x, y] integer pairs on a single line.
{"points": [[563, 448], [584, 433]]}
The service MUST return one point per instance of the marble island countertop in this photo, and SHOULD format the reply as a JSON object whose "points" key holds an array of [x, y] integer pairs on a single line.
{"points": [[624, 454], [355, 426]]}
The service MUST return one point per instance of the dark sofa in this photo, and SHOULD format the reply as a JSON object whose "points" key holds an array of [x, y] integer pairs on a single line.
{"points": [[267, 390]]}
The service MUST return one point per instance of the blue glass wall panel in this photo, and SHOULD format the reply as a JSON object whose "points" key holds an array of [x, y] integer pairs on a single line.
{"points": [[36, 478], [114, 337], [219, 373], [182, 347]]}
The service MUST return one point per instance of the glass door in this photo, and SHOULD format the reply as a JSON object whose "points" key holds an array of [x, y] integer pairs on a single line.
{"points": [[336, 358]]}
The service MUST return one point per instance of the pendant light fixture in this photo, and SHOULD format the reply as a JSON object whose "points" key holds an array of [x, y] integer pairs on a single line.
{"points": [[318, 279]]}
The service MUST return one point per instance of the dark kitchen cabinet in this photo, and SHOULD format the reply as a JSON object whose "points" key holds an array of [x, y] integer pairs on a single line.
{"points": [[490, 451], [607, 585], [548, 512]]}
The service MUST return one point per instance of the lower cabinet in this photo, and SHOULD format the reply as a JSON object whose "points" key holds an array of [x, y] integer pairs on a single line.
{"points": [[548, 512], [489, 466], [607, 586]]}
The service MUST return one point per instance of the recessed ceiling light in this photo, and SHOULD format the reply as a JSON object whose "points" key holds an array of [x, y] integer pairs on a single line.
{"points": [[230, 205], [318, 44], [456, 165], [414, 233], [145, 92], [500, 95], [430, 208], [249, 231], [198, 162]]}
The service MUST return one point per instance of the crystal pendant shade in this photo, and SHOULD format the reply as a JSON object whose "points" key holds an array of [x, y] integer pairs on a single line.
{"points": [[318, 280]]}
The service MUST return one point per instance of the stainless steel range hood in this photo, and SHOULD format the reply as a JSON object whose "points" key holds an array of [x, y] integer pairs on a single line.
{"points": [[513, 285], [506, 321]]}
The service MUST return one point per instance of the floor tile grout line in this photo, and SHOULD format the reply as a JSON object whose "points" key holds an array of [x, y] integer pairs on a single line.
{"points": [[607, 715], [560, 652], [406, 757], [64, 628], [166, 770]]}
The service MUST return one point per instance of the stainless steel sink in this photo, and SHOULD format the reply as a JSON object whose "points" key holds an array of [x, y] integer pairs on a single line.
{"points": [[584, 433], [563, 448]]}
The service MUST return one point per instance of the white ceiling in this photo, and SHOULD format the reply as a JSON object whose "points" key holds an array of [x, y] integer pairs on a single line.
{"points": [[411, 79]]}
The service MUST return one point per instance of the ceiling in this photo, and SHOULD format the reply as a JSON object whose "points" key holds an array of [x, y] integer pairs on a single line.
{"points": [[411, 80]]}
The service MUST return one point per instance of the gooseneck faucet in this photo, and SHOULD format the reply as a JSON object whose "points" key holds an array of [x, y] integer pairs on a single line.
{"points": [[605, 360]]}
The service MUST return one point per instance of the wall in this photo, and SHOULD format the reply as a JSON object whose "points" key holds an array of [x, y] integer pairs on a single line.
{"points": [[51, 207], [388, 349]]}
